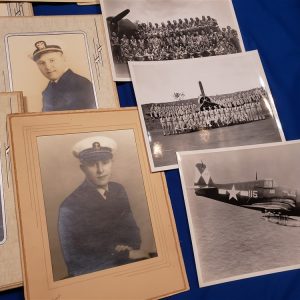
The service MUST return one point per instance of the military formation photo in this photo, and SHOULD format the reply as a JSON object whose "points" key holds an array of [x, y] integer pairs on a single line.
{"points": [[224, 102], [165, 31]]}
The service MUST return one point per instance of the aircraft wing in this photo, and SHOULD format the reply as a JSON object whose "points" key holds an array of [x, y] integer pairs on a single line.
{"points": [[278, 205]]}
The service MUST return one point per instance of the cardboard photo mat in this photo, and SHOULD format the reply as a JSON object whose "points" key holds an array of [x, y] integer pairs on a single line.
{"points": [[137, 280], [16, 9], [10, 261]]}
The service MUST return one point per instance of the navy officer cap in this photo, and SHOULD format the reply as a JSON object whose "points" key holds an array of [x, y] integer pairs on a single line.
{"points": [[94, 148], [42, 48]]}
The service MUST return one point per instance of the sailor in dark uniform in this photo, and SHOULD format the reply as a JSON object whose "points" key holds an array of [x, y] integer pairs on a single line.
{"points": [[96, 227], [66, 90]]}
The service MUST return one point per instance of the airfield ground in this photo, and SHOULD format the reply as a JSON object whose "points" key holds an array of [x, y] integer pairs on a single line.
{"points": [[264, 131]]}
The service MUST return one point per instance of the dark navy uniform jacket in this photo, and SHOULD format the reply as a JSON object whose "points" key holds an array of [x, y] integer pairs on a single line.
{"points": [[71, 91], [90, 227]]}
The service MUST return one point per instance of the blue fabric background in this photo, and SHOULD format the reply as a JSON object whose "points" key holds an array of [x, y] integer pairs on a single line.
{"points": [[272, 27]]}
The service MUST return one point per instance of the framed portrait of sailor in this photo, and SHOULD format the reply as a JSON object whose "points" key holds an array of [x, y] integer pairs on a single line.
{"points": [[10, 261], [252, 195], [16, 9], [44, 64], [159, 30], [224, 101], [100, 227]]}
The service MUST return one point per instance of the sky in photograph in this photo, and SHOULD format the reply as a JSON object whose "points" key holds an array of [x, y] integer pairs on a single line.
{"points": [[157, 81], [279, 163], [157, 11]]}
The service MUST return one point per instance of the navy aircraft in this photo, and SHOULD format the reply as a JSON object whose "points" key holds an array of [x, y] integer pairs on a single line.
{"points": [[204, 101], [279, 204], [119, 25]]}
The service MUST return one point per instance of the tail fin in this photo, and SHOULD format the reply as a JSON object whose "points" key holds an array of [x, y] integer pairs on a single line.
{"points": [[202, 176]]}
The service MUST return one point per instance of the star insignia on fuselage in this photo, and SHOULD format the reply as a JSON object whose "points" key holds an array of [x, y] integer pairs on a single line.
{"points": [[233, 193]]}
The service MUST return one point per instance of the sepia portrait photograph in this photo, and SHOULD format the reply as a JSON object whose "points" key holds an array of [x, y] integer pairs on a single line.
{"points": [[58, 79], [97, 216], [243, 208], [224, 101], [40, 57], [141, 30]]}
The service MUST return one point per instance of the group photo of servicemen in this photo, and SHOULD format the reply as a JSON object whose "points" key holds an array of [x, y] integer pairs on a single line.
{"points": [[214, 112], [175, 39]]}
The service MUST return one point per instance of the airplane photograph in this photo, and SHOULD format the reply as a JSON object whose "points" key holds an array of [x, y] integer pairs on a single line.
{"points": [[141, 30], [243, 207], [224, 101]]}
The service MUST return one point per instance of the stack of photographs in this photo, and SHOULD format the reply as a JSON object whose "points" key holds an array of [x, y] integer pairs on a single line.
{"points": [[61, 64], [203, 105], [10, 262]]}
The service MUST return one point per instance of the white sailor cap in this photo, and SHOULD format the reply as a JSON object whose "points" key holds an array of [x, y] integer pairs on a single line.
{"points": [[95, 148]]}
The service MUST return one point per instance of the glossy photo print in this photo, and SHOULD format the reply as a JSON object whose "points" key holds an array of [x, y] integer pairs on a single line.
{"points": [[243, 208], [203, 103], [141, 30]]}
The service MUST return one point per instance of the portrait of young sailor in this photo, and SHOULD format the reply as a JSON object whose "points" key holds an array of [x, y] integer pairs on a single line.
{"points": [[97, 229], [66, 90]]}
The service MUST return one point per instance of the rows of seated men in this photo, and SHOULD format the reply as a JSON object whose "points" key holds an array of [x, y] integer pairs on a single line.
{"points": [[175, 40], [241, 107]]}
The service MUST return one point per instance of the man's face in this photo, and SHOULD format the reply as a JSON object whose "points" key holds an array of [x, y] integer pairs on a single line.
{"points": [[98, 172], [52, 65]]}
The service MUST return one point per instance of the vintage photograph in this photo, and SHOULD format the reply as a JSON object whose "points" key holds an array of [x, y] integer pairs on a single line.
{"points": [[44, 63], [252, 195], [58, 77], [91, 208], [15, 9], [159, 30], [99, 218], [224, 101]]}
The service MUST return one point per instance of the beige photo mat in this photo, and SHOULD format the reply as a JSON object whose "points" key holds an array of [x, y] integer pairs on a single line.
{"points": [[10, 263], [56, 1], [136, 280], [77, 36], [16, 9]]}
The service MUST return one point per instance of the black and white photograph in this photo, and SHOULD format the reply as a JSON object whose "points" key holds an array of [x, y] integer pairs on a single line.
{"points": [[141, 30], [203, 103], [243, 209], [40, 58], [97, 216]]}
